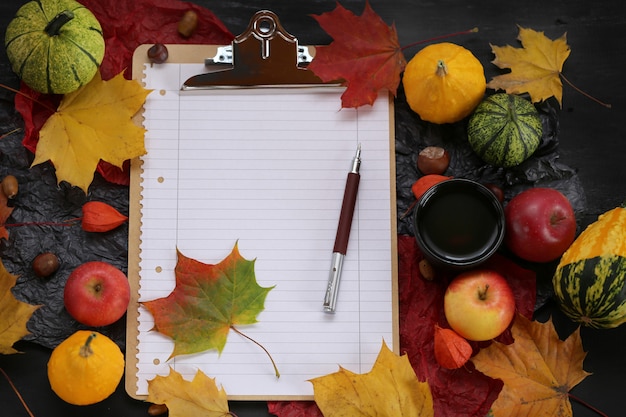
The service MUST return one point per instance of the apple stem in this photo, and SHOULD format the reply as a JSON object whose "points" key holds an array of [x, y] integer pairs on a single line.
{"points": [[482, 292], [16, 391], [259, 345], [586, 404]]}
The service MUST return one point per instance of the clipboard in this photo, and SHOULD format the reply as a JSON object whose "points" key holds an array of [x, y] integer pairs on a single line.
{"points": [[264, 65]]}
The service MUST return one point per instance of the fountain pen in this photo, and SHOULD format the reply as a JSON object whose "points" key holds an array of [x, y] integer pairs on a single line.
{"points": [[343, 233]]}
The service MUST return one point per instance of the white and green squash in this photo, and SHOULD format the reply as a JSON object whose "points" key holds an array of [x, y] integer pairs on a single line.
{"points": [[590, 279], [504, 130], [54, 46]]}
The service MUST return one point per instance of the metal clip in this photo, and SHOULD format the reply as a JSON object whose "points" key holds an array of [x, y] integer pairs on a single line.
{"points": [[224, 56]]}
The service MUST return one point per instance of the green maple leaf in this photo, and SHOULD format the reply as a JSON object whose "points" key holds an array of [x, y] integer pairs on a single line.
{"points": [[207, 302]]}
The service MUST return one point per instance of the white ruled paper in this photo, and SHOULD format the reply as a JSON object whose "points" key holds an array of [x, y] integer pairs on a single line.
{"points": [[265, 169]]}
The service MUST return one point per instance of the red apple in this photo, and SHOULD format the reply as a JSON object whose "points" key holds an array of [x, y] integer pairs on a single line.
{"points": [[479, 304], [540, 224], [96, 294]]}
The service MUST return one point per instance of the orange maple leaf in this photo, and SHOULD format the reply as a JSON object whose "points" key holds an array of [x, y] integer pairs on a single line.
{"points": [[198, 397], [91, 124], [365, 55], [535, 68], [538, 370], [390, 389]]}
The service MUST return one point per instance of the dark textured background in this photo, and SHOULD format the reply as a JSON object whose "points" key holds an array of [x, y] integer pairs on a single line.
{"points": [[591, 143]]}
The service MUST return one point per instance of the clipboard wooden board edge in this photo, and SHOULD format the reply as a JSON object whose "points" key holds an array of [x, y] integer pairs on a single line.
{"points": [[189, 53]]}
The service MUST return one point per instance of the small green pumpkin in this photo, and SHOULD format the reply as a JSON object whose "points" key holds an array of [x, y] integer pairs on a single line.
{"points": [[504, 130], [590, 280], [54, 46]]}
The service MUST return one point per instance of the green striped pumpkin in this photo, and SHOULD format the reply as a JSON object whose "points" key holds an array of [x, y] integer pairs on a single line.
{"points": [[590, 280], [54, 46], [504, 130]]}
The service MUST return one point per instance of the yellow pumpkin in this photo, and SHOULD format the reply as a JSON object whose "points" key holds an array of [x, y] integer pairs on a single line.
{"points": [[444, 82], [85, 368]]}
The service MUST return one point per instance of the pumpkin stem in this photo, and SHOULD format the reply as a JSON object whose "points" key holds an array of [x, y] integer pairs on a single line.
{"points": [[442, 69], [85, 350], [54, 26]]}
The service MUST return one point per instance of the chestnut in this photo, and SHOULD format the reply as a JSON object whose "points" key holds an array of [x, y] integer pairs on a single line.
{"points": [[433, 160], [157, 409], [497, 191], [158, 53], [45, 264]]}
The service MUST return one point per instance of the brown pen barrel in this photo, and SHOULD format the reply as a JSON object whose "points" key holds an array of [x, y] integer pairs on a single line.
{"points": [[347, 211]]}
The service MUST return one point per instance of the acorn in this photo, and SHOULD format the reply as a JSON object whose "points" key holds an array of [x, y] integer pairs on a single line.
{"points": [[188, 24], [9, 186]]}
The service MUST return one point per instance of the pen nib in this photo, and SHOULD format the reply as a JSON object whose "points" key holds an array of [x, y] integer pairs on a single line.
{"points": [[356, 162]]}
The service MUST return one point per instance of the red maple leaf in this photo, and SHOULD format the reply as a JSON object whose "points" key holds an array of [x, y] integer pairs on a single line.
{"points": [[365, 55]]}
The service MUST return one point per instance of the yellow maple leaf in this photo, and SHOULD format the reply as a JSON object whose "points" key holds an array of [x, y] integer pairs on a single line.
{"points": [[390, 389], [14, 314], [90, 124], [538, 370], [535, 68], [198, 397]]}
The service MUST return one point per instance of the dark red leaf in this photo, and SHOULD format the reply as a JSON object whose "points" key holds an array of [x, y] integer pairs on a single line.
{"points": [[134, 22], [294, 409], [421, 308], [365, 54], [28, 104]]}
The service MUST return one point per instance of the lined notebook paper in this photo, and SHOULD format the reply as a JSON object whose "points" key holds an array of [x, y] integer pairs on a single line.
{"points": [[265, 169]]}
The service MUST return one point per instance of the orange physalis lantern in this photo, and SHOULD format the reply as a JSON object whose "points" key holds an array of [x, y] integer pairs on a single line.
{"points": [[451, 350], [100, 217]]}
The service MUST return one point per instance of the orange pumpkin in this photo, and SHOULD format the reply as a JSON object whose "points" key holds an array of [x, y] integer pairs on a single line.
{"points": [[85, 368], [444, 82]]}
